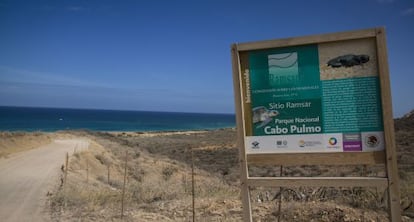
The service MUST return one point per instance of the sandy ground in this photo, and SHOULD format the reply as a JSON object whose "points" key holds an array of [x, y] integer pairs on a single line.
{"points": [[26, 178], [159, 173]]}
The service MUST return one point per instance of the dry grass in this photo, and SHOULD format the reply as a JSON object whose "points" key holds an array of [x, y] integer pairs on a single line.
{"points": [[158, 187], [13, 142], [159, 183]]}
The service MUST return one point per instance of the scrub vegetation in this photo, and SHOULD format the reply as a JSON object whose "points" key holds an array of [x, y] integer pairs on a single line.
{"points": [[159, 181]]}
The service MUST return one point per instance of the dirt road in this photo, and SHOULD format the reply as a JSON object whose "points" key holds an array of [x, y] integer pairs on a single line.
{"points": [[26, 177]]}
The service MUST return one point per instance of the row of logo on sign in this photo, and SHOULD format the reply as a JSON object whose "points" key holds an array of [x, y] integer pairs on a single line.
{"points": [[301, 143], [370, 141]]}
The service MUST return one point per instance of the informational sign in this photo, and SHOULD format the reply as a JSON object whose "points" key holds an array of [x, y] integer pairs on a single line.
{"points": [[315, 100], [320, 97]]}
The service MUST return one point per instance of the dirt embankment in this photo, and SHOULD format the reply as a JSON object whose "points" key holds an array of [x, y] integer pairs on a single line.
{"points": [[13, 142]]}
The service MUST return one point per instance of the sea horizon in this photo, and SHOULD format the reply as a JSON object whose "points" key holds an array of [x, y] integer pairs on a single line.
{"points": [[111, 109], [50, 119]]}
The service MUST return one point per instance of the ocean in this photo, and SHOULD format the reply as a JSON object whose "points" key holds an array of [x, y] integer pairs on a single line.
{"points": [[54, 119]]}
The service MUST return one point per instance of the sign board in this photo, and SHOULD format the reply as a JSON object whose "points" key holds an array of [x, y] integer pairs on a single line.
{"points": [[322, 99], [319, 97]]}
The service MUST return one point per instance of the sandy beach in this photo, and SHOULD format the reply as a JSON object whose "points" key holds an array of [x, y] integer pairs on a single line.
{"points": [[159, 179]]}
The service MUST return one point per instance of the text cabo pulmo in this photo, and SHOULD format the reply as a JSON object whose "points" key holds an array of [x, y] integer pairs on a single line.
{"points": [[292, 129]]}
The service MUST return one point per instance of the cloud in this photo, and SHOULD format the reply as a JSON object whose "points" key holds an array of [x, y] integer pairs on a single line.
{"points": [[11, 74], [408, 12], [22, 78], [75, 8], [385, 1]]}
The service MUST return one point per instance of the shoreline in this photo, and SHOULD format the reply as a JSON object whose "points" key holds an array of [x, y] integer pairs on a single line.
{"points": [[18, 141], [120, 131]]}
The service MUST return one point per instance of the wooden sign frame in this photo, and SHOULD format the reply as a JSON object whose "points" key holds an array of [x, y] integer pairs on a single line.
{"points": [[387, 156]]}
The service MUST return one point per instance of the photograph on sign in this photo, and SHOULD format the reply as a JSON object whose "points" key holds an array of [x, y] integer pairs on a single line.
{"points": [[313, 98]]}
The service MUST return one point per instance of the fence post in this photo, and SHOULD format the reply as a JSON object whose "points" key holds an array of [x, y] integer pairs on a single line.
{"points": [[87, 170], [66, 167], [108, 172], [66, 177], [123, 188], [280, 197], [193, 182]]}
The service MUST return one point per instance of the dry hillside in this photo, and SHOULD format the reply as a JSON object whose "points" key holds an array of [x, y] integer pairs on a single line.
{"points": [[158, 183]]}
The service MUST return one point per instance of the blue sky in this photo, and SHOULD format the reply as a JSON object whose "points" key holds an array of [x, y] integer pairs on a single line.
{"points": [[170, 55]]}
